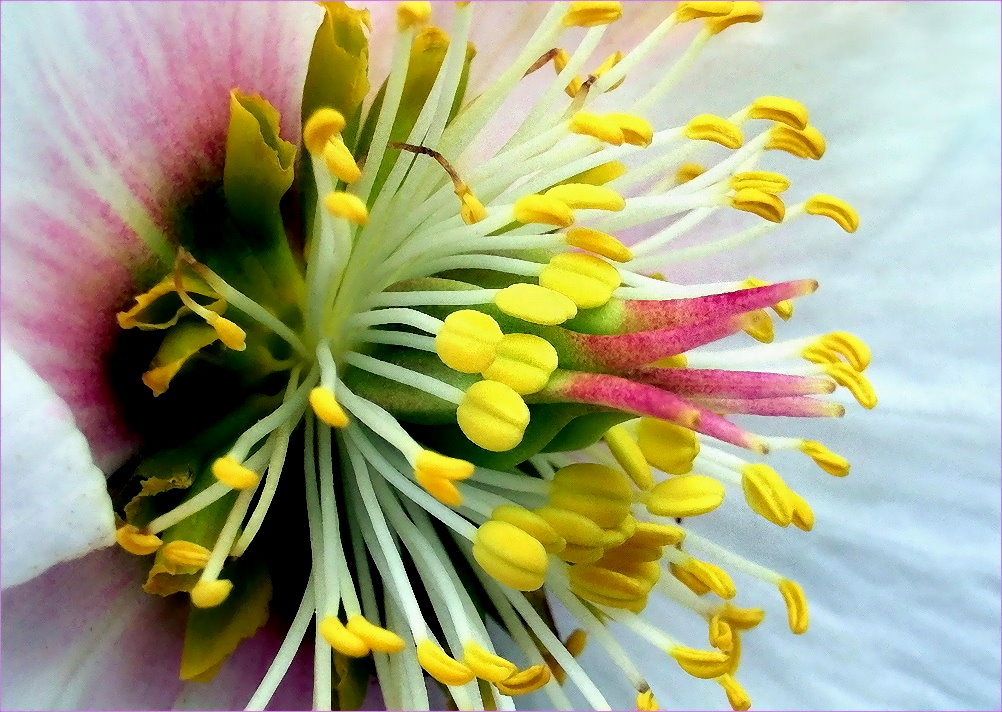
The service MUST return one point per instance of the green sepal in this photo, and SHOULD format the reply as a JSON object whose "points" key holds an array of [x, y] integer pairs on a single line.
{"points": [[585, 431], [351, 681], [214, 633]]}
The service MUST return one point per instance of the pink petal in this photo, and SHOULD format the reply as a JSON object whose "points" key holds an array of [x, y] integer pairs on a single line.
{"points": [[112, 114]]}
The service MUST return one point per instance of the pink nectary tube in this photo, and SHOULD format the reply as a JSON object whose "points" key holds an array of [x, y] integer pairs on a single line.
{"points": [[791, 406], [719, 383]]}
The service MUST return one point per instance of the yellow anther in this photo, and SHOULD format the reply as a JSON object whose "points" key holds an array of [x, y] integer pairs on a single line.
{"points": [[510, 555], [588, 580], [412, 14], [796, 605], [524, 363], [856, 382], [375, 637], [340, 162], [707, 127], [134, 541], [462, 3], [629, 456], [802, 143], [486, 665], [445, 491], [608, 63], [668, 447], [436, 465], [758, 325], [676, 361], [535, 304], [347, 206], [586, 280], [186, 553], [560, 60], [320, 128], [686, 11], [532, 524], [783, 309], [467, 341], [779, 109], [209, 593], [616, 536], [736, 695], [543, 210], [767, 494], [704, 664], [636, 131], [685, 496], [766, 205], [600, 243], [766, 181], [576, 642], [577, 554], [827, 460], [584, 196], [341, 639], [441, 666], [470, 208], [688, 171], [576, 529], [741, 12], [233, 474], [829, 347], [691, 582], [526, 681], [741, 618], [721, 634], [600, 174], [325, 406], [646, 702], [493, 416], [600, 127], [592, 13], [600, 493], [652, 534], [803, 515], [836, 209], [709, 575], [232, 336]]}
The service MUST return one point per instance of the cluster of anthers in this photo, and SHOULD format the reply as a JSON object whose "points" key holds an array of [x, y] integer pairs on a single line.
{"points": [[495, 394]]}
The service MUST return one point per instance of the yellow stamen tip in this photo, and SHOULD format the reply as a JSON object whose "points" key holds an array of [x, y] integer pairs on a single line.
{"points": [[471, 209], [779, 109], [532, 524], [576, 642], [412, 14], [655, 535], [767, 494], [210, 593], [449, 468], [526, 681], [758, 325], [709, 577], [742, 618], [601, 127], [437, 663], [523, 362], [796, 605], [636, 130], [510, 555], [802, 143], [740, 12], [629, 456], [803, 515], [576, 529], [602, 494], [704, 664], [857, 384], [600, 174], [542, 209], [766, 205], [493, 416], [320, 128], [827, 460], [737, 698], [687, 11], [766, 181], [707, 127], [340, 162], [232, 336], [186, 553], [591, 13], [486, 665], [586, 280], [535, 304], [646, 702], [783, 309], [688, 171], [341, 639], [134, 541], [829, 347], [584, 196], [467, 341], [233, 474], [347, 206], [600, 243], [668, 447], [326, 407], [375, 637], [685, 496], [836, 209]]}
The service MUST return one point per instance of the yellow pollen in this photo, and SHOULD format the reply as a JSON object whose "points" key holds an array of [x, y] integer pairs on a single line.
{"points": [[688, 171], [709, 575], [326, 407], [802, 143], [646, 702], [856, 382], [470, 209], [600, 243], [341, 639], [229, 333], [600, 174], [584, 196], [704, 664], [209, 593], [668, 447], [411, 14], [796, 605], [741, 12], [320, 128], [836, 209], [766, 181], [779, 109], [493, 416], [510, 555], [535, 304], [687, 11], [467, 341], [441, 666], [586, 280], [737, 698], [783, 309], [523, 362], [685, 496], [186, 553], [707, 127], [636, 131], [767, 494], [134, 541], [592, 13], [340, 162], [827, 460], [526, 681], [629, 456], [233, 474], [532, 524], [766, 205], [595, 491], [758, 325], [600, 127], [803, 515], [347, 206], [375, 637], [544, 210], [486, 665]]}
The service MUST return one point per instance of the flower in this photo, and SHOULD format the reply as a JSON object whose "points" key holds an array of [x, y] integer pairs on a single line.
{"points": [[494, 417]]}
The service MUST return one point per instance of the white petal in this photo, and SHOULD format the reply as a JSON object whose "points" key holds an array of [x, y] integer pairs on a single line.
{"points": [[55, 503]]}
